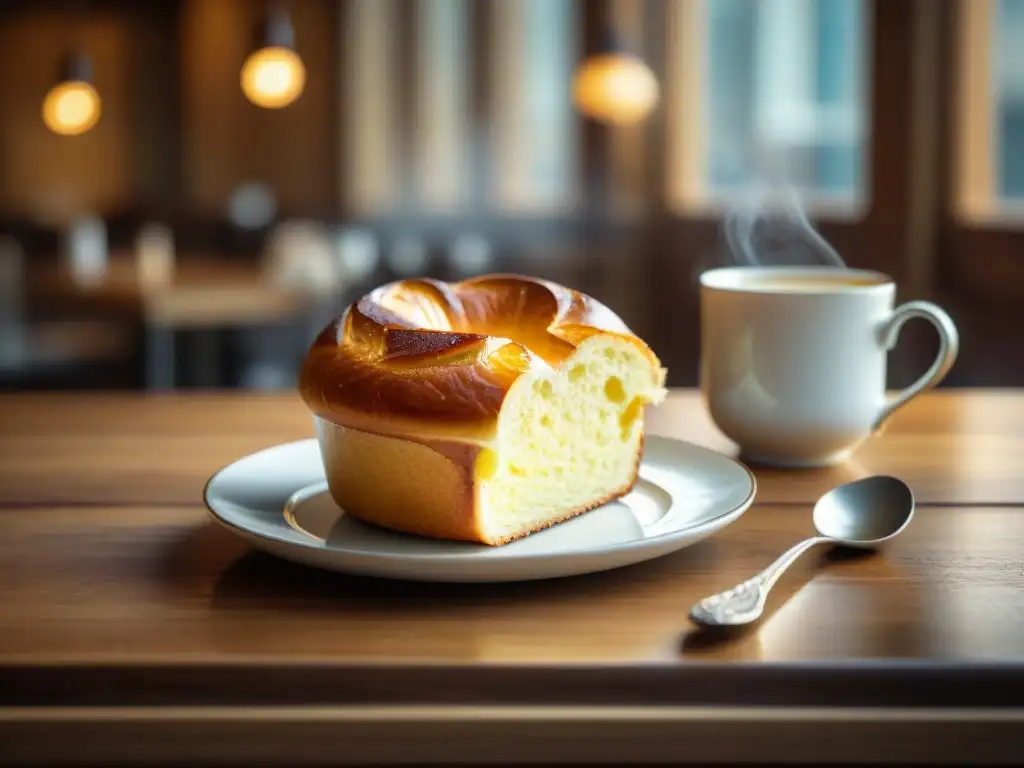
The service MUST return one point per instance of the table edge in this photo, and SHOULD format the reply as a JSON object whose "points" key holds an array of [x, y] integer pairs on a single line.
{"points": [[452, 735], [931, 684]]}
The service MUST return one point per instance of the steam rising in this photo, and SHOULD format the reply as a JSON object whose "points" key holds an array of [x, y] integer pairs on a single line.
{"points": [[770, 228]]}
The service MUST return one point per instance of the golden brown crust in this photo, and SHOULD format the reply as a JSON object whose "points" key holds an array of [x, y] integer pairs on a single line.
{"points": [[424, 357], [380, 480]]}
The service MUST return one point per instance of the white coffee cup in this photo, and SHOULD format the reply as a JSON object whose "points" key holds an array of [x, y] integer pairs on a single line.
{"points": [[793, 359]]}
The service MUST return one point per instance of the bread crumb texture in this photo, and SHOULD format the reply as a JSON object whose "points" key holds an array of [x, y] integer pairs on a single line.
{"points": [[568, 439]]}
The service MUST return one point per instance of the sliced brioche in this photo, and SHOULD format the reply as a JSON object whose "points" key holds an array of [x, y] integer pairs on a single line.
{"points": [[480, 411]]}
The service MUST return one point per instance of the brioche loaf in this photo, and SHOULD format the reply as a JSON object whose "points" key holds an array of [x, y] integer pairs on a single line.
{"points": [[482, 410]]}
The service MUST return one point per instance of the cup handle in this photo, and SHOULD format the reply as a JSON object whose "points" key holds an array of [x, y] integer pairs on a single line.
{"points": [[949, 346]]}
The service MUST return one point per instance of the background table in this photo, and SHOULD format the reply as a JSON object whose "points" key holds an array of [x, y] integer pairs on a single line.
{"points": [[203, 293], [132, 627]]}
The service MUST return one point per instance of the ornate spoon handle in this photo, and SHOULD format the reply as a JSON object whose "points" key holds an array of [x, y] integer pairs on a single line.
{"points": [[745, 602]]}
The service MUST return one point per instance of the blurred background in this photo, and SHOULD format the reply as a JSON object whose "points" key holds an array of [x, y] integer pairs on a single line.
{"points": [[191, 189]]}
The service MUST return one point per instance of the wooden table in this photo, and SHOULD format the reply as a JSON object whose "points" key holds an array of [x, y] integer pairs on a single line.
{"points": [[132, 629]]}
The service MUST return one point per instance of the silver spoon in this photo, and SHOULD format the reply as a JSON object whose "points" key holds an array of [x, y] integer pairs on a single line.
{"points": [[860, 514]]}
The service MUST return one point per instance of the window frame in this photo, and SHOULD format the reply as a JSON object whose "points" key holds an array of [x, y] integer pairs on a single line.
{"points": [[981, 252], [897, 228]]}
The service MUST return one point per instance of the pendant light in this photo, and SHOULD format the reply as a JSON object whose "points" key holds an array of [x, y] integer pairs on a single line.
{"points": [[615, 86], [72, 106], [273, 76]]}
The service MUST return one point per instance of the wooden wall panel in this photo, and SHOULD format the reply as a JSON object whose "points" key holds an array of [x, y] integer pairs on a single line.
{"points": [[367, 94], [628, 144], [685, 149], [227, 141], [49, 178]]}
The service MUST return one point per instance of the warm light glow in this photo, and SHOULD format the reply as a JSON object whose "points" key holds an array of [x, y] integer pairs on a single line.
{"points": [[615, 88], [273, 77], [71, 108]]}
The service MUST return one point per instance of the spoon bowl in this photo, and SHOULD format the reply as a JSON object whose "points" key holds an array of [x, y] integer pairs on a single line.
{"points": [[865, 512]]}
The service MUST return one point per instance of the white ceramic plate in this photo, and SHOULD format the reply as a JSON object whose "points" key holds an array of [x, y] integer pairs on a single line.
{"points": [[277, 500]]}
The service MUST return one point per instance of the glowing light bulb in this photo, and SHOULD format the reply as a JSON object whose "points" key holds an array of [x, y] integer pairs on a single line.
{"points": [[615, 88], [71, 108], [273, 77]]}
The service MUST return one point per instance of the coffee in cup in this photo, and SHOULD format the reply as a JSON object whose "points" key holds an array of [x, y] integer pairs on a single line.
{"points": [[794, 359]]}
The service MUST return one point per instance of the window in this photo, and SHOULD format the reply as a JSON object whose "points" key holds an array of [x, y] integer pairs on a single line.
{"points": [[469, 120], [440, 131], [990, 110], [1008, 53], [534, 122], [782, 98], [985, 234]]}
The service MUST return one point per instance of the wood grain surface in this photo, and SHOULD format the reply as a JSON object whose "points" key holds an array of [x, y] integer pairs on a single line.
{"points": [[113, 584], [952, 447], [128, 615]]}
